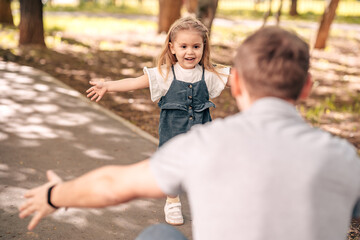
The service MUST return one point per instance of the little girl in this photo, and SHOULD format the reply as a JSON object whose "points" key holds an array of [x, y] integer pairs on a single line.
{"points": [[183, 80]]}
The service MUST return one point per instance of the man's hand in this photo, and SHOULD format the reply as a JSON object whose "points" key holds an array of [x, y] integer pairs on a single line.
{"points": [[37, 201]]}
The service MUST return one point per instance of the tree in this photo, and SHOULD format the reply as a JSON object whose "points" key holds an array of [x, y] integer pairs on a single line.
{"points": [[293, 8], [191, 6], [206, 12], [326, 20], [31, 23], [269, 13], [169, 12], [6, 16]]}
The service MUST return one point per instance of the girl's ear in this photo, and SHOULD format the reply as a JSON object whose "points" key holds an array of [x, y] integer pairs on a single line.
{"points": [[171, 45], [306, 90]]}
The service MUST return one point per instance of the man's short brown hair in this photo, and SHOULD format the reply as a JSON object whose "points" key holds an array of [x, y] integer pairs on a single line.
{"points": [[273, 62]]}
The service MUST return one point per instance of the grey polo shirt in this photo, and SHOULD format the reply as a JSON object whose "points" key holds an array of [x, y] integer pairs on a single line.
{"points": [[262, 174]]}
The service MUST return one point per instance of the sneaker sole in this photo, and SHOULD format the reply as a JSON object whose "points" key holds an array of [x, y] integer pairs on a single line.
{"points": [[174, 223]]}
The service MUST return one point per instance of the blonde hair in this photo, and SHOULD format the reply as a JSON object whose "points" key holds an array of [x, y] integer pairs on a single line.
{"points": [[187, 23]]}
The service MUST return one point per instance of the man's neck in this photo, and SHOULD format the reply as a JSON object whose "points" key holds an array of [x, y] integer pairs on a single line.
{"points": [[244, 102]]}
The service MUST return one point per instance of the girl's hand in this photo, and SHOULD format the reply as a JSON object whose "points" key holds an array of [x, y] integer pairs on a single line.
{"points": [[37, 201], [97, 91]]}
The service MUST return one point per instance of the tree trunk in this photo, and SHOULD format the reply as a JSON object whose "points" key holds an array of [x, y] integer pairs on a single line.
{"points": [[206, 12], [293, 8], [278, 13], [191, 6], [267, 14], [324, 27], [169, 12], [6, 16], [31, 23]]}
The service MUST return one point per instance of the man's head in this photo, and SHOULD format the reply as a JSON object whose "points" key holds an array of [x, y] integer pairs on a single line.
{"points": [[273, 62]]}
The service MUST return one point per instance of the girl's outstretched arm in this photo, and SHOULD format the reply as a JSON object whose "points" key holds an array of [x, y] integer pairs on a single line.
{"points": [[99, 88], [102, 187]]}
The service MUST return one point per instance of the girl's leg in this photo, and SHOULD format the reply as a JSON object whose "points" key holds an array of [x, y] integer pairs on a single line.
{"points": [[172, 209], [161, 232]]}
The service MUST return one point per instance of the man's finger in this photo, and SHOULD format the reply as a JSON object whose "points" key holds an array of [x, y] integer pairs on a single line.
{"points": [[52, 176], [27, 211], [34, 221], [24, 205]]}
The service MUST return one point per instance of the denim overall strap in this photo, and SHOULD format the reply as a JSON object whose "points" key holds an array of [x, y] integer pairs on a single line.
{"points": [[184, 105], [173, 71]]}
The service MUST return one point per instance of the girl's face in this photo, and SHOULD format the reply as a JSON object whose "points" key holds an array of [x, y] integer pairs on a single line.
{"points": [[188, 47]]}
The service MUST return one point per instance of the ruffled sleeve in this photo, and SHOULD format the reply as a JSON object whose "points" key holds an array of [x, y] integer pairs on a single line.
{"points": [[156, 83]]}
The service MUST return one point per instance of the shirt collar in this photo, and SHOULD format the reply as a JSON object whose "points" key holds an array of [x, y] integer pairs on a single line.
{"points": [[272, 106]]}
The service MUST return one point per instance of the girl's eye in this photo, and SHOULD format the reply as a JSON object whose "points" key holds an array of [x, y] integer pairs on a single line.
{"points": [[196, 47], [183, 46]]}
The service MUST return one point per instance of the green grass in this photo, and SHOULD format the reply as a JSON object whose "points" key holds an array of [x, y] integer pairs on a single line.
{"points": [[329, 105], [309, 10], [125, 7], [345, 7], [98, 25], [56, 26], [348, 10], [8, 37], [304, 16]]}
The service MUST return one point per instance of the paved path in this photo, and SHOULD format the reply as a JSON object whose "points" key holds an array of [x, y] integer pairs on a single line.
{"points": [[46, 125]]}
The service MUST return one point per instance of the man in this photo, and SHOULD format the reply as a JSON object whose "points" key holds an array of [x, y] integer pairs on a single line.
{"points": [[263, 173]]}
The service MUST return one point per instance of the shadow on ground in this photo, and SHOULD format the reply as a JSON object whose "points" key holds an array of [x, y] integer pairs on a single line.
{"points": [[44, 125]]}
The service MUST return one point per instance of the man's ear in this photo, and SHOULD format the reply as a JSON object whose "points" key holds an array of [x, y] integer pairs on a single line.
{"points": [[171, 46], [306, 90], [235, 83]]}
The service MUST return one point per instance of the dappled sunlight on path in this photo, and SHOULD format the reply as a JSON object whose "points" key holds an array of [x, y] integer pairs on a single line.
{"points": [[46, 125], [31, 112]]}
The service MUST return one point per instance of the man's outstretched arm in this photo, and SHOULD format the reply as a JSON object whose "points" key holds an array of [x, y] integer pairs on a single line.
{"points": [[102, 187]]}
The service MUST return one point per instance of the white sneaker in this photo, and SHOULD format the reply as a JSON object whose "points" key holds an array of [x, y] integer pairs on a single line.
{"points": [[173, 213]]}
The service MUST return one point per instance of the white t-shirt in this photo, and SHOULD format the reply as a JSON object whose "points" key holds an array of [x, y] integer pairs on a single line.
{"points": [[159, 86], [263, 173]]}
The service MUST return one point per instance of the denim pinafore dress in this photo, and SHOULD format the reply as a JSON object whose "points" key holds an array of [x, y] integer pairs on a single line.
{"points": [[184, 105]]}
